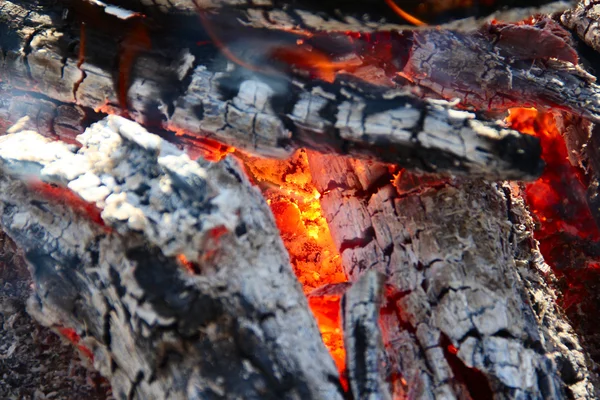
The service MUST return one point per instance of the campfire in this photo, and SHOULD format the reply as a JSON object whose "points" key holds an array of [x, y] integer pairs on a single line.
{"points": [[284, 199]]}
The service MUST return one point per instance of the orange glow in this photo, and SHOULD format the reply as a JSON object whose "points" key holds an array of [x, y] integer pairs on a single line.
{"points": [[404, 14], [327, 313], [564, 224], [294, 200], [558, 197], [66, 197], [316, 62], [191, 267], [107, 108], [73, 337], [204, 147]]}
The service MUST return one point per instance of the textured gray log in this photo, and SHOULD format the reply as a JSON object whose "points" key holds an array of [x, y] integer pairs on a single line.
{"points": [[362, 337], [268, 115], [466, 273], [237, 326]]}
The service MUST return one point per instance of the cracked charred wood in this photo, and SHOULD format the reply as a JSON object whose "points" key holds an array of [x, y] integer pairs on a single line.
{"points": [[170, 273], [495, 68], [195, 92], [468, 313], [362, 337]]}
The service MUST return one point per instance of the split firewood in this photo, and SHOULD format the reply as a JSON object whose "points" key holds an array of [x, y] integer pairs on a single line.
{"points": [[169, 274], [172, 87], [468, 313]]}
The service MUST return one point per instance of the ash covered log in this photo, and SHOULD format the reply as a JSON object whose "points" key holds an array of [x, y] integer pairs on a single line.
{"points": [[170, 274], [470, 314], [196, 92]]}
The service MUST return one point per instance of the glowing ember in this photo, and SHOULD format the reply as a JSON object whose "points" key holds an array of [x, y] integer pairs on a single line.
{"points": [[74, 338], [565, 227], [558, 198], [287, 186]]}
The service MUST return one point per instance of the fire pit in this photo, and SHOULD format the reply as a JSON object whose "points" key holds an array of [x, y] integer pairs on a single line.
{"points": [[284, 199]]}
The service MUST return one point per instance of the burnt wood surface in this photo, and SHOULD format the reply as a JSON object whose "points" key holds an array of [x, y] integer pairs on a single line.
{"points": [[469, 313], [363, 338], [194, 91], [171, 271]]}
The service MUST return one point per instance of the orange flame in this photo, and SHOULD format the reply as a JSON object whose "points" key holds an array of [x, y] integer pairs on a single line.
{"points": [[558, 198], [318, 63], [411, 19]]}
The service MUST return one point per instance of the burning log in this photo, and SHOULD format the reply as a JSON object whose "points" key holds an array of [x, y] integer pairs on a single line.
{"points": [[172, 88], [170, 273], [466, 285], [503, 74]]}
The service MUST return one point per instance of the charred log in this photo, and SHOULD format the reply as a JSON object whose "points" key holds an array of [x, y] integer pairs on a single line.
{"points": [[494, 70], [174, 89], [468, 285], [170, 273]]}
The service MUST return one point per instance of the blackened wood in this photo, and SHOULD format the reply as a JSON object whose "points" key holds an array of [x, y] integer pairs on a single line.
{"points": [[171, 271], [365, 358], [173, 88], [470, 314], [491, 72]]}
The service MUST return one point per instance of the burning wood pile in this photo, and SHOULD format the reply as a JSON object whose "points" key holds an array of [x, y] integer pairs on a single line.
{"points": [[284, 199]]}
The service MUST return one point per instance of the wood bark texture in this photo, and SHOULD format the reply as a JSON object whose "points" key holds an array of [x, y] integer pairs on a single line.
{"points": [[171, 272], [179, 87], [468, 313]]}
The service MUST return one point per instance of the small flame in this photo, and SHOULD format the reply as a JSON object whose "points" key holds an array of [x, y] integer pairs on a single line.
{"points": [[411, 19], [318, 63]]}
